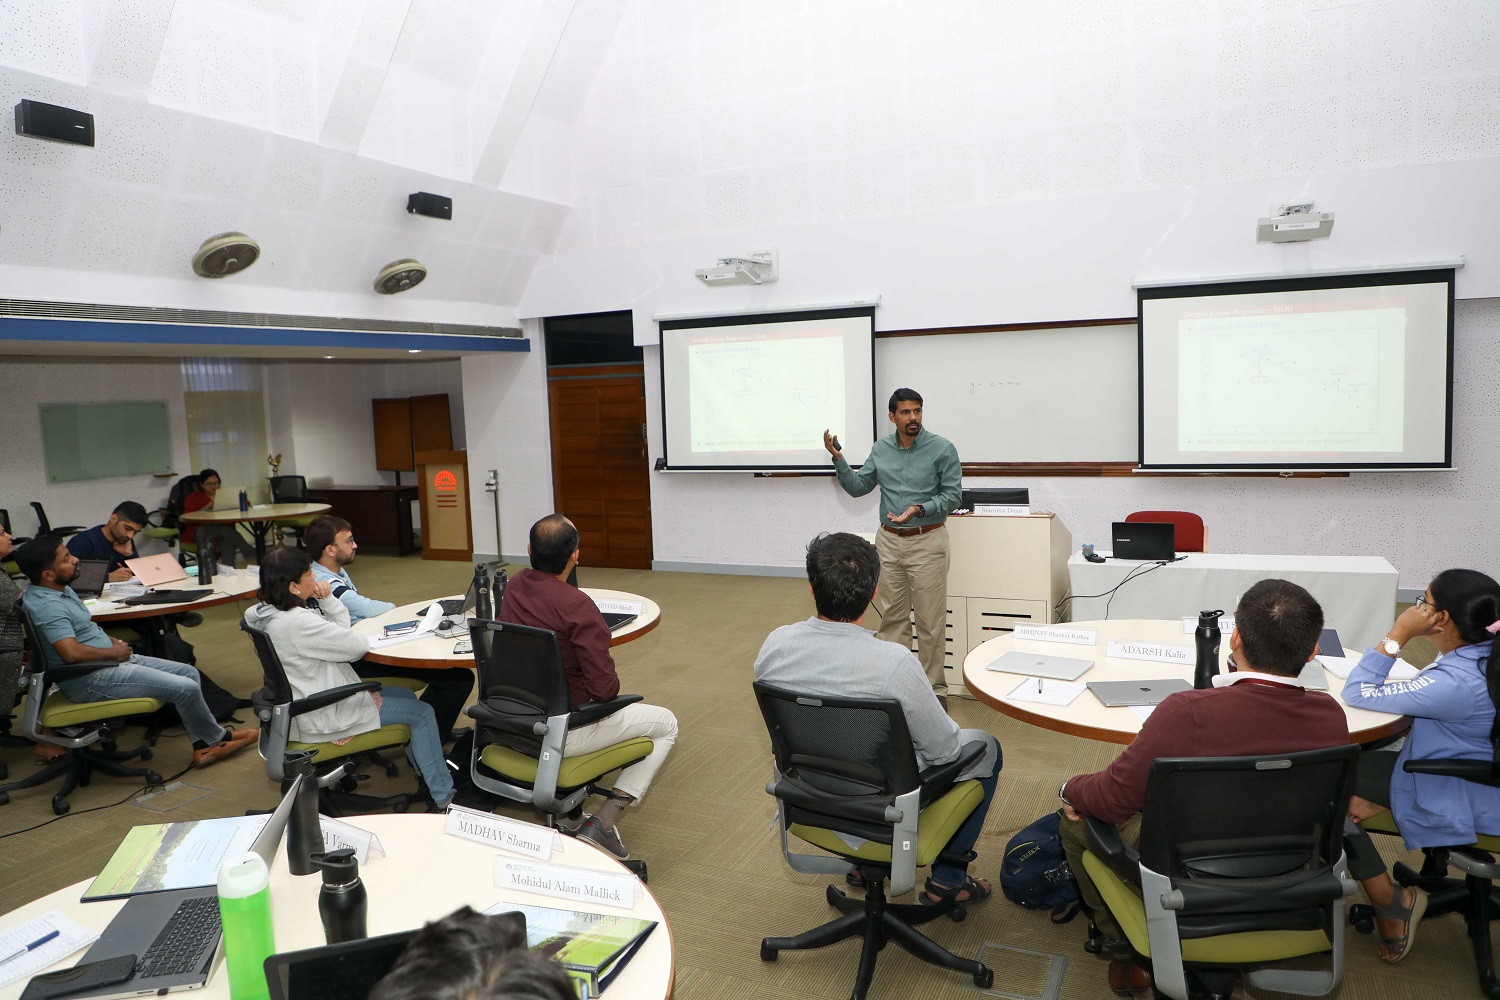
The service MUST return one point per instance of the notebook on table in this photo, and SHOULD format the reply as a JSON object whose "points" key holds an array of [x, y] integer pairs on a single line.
{"points": [[175, 936], [153, 571]]}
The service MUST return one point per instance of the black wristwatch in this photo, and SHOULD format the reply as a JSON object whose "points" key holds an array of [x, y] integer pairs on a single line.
{"points": [[921, 510]]}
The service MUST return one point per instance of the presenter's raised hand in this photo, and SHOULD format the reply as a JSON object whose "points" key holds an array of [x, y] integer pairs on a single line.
{"points": [[904, 516], [830, 442]]}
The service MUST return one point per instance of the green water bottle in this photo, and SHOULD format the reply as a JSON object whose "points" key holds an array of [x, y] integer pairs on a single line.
{"points": [[245, 908]]}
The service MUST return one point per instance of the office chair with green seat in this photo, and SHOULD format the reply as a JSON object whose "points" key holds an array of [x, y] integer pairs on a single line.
{"points": [[275, 708], [78, 727], [1240, 866], [1474, 895], [524, 717], [846, 774]]}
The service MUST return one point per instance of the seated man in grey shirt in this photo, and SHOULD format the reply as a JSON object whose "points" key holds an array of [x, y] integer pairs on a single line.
{"points": [[831, 654]]}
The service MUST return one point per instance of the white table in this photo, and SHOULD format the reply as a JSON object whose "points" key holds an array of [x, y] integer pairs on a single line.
{"points": [[259, 516], [430, 651], [1086, 716], [425, 875], [240, 586], [1358, 593]]}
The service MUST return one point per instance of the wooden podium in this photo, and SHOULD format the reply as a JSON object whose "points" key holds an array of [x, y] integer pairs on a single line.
{"points": [[443, 478]]}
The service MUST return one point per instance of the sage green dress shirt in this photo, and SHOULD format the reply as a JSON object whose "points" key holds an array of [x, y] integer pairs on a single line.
{"points": [[927, 473]]}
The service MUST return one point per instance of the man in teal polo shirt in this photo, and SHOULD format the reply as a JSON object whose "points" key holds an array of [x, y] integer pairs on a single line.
{"points": [[920, 483], [72, 636]]}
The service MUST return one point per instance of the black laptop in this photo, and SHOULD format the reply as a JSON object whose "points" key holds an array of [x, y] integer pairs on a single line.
{"points": [[1149, 541], [166, 597], [93, 574]]}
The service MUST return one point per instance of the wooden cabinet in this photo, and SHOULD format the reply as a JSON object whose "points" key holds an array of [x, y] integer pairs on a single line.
{"points": [[407, 425]]}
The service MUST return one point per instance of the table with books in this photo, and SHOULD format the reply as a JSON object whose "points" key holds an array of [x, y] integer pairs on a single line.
{"points": [[423, 875]]}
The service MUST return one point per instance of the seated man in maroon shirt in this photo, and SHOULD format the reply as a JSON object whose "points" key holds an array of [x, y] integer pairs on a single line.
{"points": [[1258, 708], [541, 597]]}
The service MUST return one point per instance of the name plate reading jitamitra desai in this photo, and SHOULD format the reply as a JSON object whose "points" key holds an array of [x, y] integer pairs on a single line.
{"points": [[1054, 633], [581, 885], [1152, 651], [508, 835]]}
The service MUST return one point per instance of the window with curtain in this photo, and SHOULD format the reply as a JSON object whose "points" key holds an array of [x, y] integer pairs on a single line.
{"points": [[226, 423]]}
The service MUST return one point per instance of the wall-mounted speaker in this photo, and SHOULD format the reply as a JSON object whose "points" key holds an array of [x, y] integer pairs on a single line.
{"points": [[433, 205], [48, 121]]}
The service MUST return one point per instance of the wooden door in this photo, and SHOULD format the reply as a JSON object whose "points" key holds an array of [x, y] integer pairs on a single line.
{"points": [[599, 461]]}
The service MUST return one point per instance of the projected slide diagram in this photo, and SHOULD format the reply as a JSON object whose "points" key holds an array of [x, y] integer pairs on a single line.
{"points": [[767, 394], [1300, 382]]}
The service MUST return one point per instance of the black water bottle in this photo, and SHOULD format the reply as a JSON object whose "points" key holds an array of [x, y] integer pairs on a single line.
{"points": [[206, 565], [341, 901], [484, 599], [497, 588], [1206, 665], [304, 828]]}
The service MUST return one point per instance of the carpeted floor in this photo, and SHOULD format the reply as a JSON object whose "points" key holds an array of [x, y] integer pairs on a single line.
{"points": [[704, 828]]}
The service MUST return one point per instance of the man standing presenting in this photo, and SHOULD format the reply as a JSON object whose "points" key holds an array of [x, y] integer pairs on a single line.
{"points": [[542, 598], [920, 483], [113, 540], [330, 542]]}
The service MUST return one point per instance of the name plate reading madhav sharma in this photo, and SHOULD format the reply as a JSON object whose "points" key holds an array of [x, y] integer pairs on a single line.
{"points": [[521, 838], [581, 885], [1159, 651], [1057, 633]]}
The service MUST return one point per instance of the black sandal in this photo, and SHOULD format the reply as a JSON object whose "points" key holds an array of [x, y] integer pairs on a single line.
{"points": [[933, 893]]}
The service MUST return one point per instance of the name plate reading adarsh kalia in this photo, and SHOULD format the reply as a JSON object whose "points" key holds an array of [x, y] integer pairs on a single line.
{"points": [[1159, 651], [521, 838], [581, 885], [1053, 633]]}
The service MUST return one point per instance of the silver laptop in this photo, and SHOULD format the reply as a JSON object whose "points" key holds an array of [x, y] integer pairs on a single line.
{"points": [[1312, 677], [184, 921], [1120, 694], [1060, 668]]}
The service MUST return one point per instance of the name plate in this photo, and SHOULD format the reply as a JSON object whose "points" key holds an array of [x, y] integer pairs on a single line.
{"points": [[1159, 651], [620, 607], [337, 836], [1055, 633], [521, 838], [582, 885], [1226, 625], [1002, 510]]}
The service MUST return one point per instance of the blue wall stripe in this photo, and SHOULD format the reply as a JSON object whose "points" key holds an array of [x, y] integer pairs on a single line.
{"points": [[97, 331]]}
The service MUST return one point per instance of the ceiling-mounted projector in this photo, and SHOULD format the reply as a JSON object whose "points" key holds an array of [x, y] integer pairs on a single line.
{"points": [[761, 267], [1294, 222]]}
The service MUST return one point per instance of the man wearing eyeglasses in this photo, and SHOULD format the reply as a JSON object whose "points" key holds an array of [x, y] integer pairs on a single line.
{"points": [[113, 540]]}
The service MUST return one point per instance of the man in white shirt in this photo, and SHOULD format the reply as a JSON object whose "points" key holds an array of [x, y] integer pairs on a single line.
{"points": [[330, 542]]}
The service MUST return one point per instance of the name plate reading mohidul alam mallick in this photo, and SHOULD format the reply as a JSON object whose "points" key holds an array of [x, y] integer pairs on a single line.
{"points": [[582, 885], [1056, 633], [509, 835], [1159, 651]]}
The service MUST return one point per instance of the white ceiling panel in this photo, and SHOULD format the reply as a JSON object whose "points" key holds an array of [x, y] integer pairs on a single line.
{"points": [[44, 37], [130, 36]]}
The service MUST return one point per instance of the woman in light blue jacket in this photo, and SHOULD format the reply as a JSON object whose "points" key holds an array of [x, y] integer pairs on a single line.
{"points": [[1452, 707]]}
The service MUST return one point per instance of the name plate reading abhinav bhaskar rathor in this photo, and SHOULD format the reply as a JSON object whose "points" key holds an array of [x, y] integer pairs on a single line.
{"points": [[1057, 633], [1159, 651], [581, 885], [521, 838]]}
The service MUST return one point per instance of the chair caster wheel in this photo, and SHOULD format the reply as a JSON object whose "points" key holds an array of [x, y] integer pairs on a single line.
{"points": [[60, 807], [152, 778], [4, 798], [146, 754], [958, 914], [401, 807], [984, 978], [768, 954], [1362, 918]]}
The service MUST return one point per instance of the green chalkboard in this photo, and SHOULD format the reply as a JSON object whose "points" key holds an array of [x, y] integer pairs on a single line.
{"points": [[105, 440]]}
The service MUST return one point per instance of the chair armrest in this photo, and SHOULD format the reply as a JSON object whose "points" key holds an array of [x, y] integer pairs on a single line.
{"points": [[11, 649], [1104, 843], [793, 794], [593, 711], [940, 777], [322, 699], [68, 671], [1482, 772]]}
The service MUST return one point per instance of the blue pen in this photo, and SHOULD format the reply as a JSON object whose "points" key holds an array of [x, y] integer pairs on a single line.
{"points": [[33, 945]]}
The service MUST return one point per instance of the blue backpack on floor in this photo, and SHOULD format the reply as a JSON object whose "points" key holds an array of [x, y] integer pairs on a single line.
{"points": [[1035, 872]]}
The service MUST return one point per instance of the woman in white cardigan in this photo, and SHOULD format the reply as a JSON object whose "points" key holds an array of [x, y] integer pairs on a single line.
{"points": [[310, 630]]}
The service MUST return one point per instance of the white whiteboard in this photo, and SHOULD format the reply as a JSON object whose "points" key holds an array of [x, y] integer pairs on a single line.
{"points": [[1065, 394]]}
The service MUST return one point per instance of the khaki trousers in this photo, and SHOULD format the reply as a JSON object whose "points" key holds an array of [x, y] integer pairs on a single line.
{"points": [[640, 719], [914, 577], [1074, 844]]}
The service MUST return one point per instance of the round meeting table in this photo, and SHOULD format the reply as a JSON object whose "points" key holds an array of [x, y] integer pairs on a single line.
{"points": [[434, 651], [226, 589], [1086, 716], [259, 516], [425, 874]]}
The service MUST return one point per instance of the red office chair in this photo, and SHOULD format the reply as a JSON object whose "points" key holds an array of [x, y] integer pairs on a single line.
{"points": [[1190, 533]]}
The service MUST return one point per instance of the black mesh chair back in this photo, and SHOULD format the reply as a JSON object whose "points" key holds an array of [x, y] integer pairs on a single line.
{"points": [[288, 489], [521, 676], [275, 689], [45, 527], [5, 521], [176, 499], [840, 751]]}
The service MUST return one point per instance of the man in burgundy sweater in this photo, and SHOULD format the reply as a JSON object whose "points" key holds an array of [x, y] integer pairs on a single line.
{"points": [[542, 598], [1258, 708]]}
